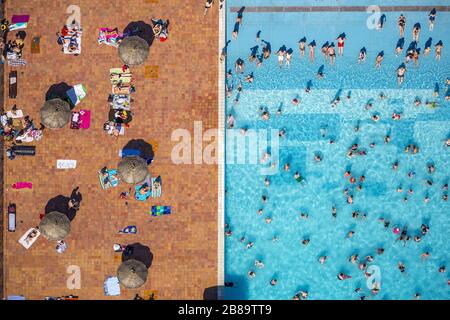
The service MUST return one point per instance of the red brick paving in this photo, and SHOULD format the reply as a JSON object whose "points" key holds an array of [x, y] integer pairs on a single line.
{"points": [[184, 243]]}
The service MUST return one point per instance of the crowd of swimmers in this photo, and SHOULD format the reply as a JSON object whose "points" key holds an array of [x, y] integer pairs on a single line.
{"points": [[354, 183]]}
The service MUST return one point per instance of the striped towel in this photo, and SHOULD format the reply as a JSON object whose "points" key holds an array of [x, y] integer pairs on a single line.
{"points": [[17, 62], [66, 164]]}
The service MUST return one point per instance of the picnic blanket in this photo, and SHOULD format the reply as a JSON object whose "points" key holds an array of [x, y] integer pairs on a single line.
{"points": [[112, 286], [27, 239], [76, 93], [160, 210], [66, 164], [156, 187], [108, 179]]}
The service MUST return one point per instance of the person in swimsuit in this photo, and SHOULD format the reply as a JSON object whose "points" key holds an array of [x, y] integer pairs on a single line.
{"points": [[401, 74], [324, 50], [401, 25], [362, 55], [288, 57], [331, 53], [281, 53], [302, 46], [379, 59], [438, 48], [208, 5], [340, 40], [431, 18], [312, 47], [266, 49], [416, 32]]}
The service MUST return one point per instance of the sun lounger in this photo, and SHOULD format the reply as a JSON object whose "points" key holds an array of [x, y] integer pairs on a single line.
{"points": [[28, 238], [13, 84], [24, 150], [66, 164], [12, 217]]}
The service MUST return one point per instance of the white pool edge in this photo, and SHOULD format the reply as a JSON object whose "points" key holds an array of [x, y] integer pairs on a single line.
{"points": [[221, 154]]}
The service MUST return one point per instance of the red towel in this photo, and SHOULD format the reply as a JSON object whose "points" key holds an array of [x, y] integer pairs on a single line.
{"points": [[22, 185]]}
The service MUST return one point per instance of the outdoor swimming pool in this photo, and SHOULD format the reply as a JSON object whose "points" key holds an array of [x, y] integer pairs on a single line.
{"points": [[295, 266]]}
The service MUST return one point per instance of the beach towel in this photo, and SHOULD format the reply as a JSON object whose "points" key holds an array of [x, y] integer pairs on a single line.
{"points": [[109, 37], [128, 230], [20, 18], [66, 164], [15, 115], [85, 119], [22, 185], [117, 75], [17, 26], [80, 120], [108, 178], [160, 210], [76, 94], [36, 45], [156, 187], [29, 237], [129, 152], [17, 62], [112, 286], [120, 101], [142, 197]]}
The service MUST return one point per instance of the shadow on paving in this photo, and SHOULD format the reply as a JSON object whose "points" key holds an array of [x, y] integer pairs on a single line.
{"points": [[140, 29], [138, 252]]}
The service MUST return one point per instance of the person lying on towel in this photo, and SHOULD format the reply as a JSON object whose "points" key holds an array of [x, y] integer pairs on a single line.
{"points": [[143, 192]]}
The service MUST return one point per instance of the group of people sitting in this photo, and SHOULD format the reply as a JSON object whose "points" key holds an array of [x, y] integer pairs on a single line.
{"points": [[160, 29], [18, 128], [13, 49], [69, 38]]}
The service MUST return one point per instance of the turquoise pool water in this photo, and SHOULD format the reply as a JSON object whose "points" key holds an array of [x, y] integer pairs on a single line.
{"points": [[295, 266]]}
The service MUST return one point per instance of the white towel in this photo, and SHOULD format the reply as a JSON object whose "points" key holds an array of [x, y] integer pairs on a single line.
{"points": [[112, 287], [27, 243], [66, 164]]}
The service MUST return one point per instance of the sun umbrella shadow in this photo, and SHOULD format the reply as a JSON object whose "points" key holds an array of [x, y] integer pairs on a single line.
{"points": [[141, 29], [143, 148], [60, 203], [139, 252], [59, 90]]}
